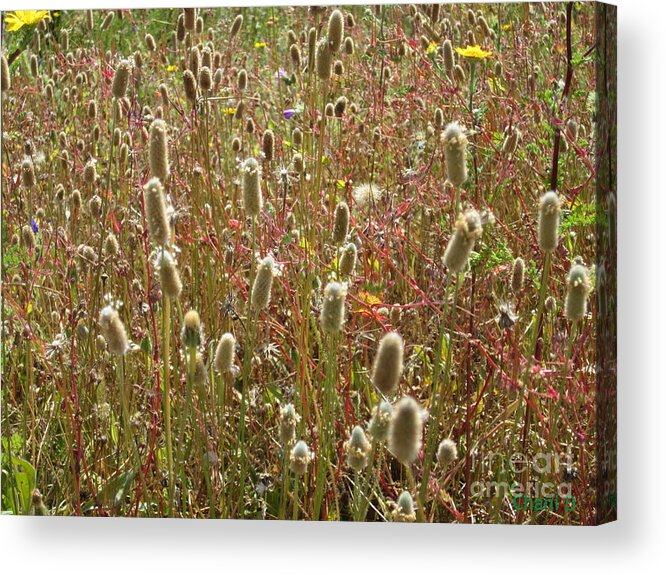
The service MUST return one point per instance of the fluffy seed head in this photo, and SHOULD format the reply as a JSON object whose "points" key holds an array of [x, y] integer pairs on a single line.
{"points": [[404, 509], [324, 59], [27, 237], [108, 19], [75, 200], [190, 85], [517, 275], [34, 66], [150, 42], [111, 246], [381, 419], [263, 282], [299, 458], [295, 55], [336, 30], [200, 372], [297, 136], [447, 452], [439, 118], [340, 106], [578, 289], [349, 45], [332, 315], [268, 144], [95, 206], [297, 161], [113, 331], [236, 26], [571, 130], [288, 421], [252, 197], [156, 213], [348, 259], [121, 79], [357, 448], [388, 365], [159, 151], [549, 221], [341, 223], [550, 304], [40, 509], [458, 74], [169, 276], [205, 79], [404, 440], [468, 229], [180, 28], [27, 174], [242, 80], [224, 354], [312, 47], [455, 154], [511, 139], [195, 61], [191, 333], [6, 78], [190, 18], [366, 195], [90, 172]]}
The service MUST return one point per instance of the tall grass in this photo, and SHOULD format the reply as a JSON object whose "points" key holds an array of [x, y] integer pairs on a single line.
{"points": [[312, 182]]}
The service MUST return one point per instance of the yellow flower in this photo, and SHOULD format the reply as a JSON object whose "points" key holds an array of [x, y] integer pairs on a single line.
{"points": [[19, 18], [260, 44], [473, 52], [171, 68], [230, 111], [431, 47], [506, 27]]}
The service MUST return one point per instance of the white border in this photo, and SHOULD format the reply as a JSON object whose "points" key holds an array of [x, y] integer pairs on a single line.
{"points": [[631, 545]]}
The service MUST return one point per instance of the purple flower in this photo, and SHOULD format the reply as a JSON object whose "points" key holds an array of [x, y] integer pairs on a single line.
{"points": [[289, 113], [34, 226]]}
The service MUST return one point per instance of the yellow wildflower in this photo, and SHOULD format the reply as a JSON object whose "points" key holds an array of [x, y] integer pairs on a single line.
{"points": [[19, 18], [473, 52], [260, 44], [506, 27], [432, 47], [230, 111]]}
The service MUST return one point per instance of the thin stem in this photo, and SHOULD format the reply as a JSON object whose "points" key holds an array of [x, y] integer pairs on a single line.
{"points": [[439, 390], [166, 337], [294, 515], [524, 393], [557, 408]]}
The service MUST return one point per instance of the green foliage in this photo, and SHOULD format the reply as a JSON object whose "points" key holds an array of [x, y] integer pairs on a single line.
{"points": [[18, 478], [490, 256], [582, 215]]}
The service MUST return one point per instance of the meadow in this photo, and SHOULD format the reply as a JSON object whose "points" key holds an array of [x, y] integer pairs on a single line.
{"points": [[300, 263]]}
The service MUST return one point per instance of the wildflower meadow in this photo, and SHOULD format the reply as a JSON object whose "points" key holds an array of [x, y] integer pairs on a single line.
{"points": [[320, 263]]}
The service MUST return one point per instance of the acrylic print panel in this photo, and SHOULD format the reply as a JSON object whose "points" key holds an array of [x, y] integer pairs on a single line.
{"points": [[323, 263]]}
